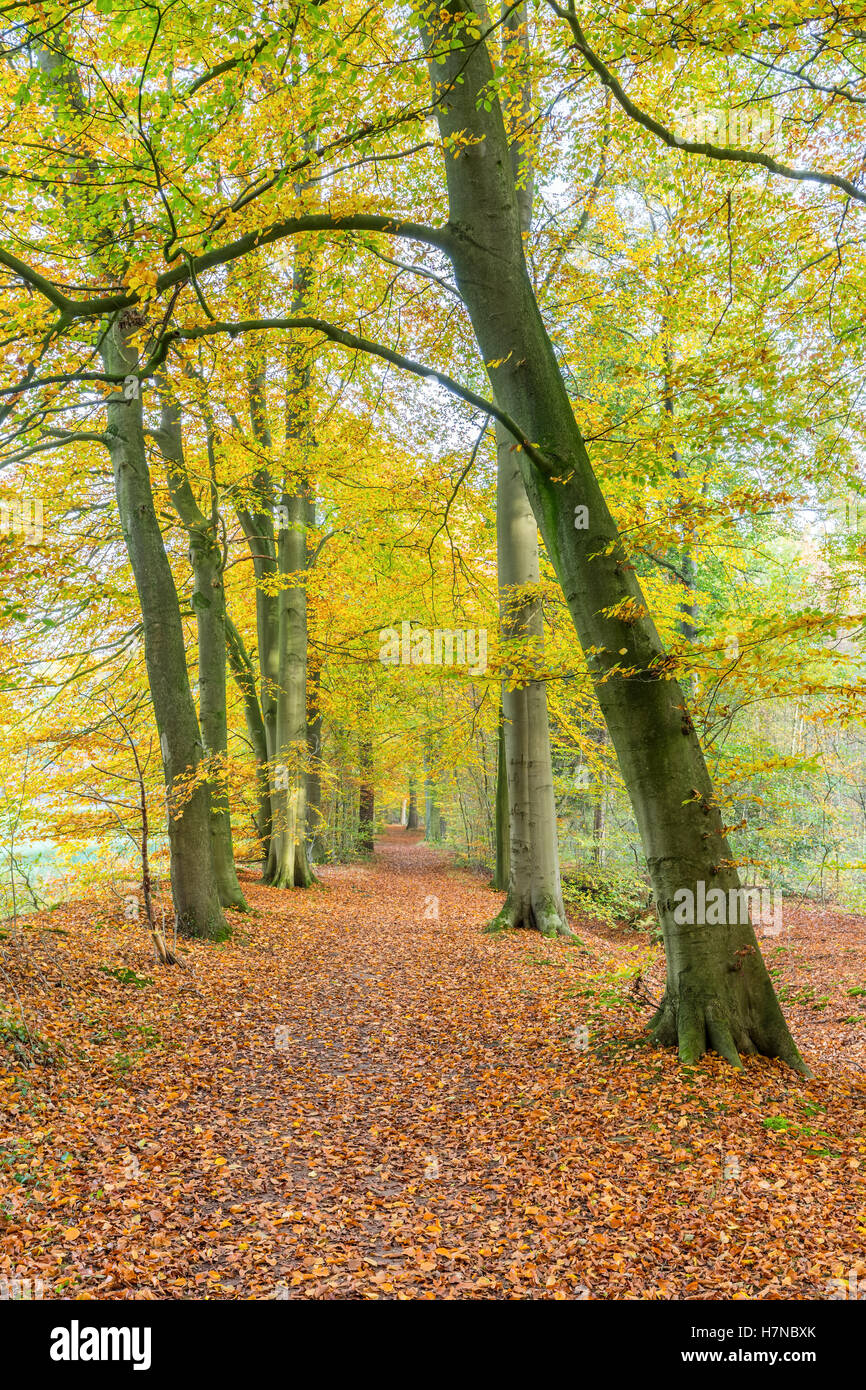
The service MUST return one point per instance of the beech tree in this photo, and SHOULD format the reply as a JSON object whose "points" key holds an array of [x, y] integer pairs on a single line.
{"points": [[718, 993], [534, 892], [194, 887], [276, 522]]}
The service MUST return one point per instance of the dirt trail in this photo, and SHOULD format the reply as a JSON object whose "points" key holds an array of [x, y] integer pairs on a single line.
{"points": [[363, 1095]]}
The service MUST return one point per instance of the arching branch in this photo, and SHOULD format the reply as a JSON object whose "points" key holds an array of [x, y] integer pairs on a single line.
{"points": [[720, 152], [355, 344], [100, 305]]}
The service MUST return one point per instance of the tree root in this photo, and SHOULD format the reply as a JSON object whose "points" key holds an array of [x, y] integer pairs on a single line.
{"points": [[236, 902], [697, 1026], [291, 877], [543, 917]]}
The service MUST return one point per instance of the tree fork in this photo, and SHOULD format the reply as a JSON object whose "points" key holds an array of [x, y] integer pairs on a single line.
{"points": [[194, 891]]}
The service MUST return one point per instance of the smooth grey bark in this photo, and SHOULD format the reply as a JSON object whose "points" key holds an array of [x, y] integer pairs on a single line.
{"points": [[366, 798], [412, 818], [198, 911], [502, 867], [208, 601], [432, 819], [288, 861], [288, 866], [718, 994], [534, 892], [599, 816], [316, 825], [244, 675], [257, 523], [280, 559], [315, 815]]}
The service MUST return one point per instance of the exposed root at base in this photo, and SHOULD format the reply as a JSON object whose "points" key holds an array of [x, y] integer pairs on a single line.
{"points": [[698, 1027], [546, 921]]}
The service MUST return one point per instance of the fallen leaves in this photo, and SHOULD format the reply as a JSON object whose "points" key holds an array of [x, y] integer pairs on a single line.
{"points": [[422, 1126]]}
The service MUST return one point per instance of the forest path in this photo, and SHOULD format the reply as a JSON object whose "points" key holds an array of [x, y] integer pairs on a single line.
{"points": [[351, 1098]]}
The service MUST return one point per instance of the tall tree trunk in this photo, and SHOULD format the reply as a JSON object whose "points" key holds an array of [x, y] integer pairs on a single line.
{"points": [[257, 524], [280, 558], [194, 893], [193, 883], [502, 869], [719, 994], [412, 819], [534, 892], [431, 802], [598, 814], [288, 866], [366, 798], [208, 601], [313, 679], [315, 817], [245, 680]]}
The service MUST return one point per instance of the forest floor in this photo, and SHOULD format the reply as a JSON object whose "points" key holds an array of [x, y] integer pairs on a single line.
{"points": [[363, 1095]]}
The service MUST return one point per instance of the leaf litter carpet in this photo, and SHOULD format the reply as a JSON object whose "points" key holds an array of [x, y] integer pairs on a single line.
{"points": [[363, 1095]]}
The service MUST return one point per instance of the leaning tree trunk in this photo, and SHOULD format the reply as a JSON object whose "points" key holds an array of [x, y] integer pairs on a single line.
{"points": [[719, 994], [194, 893], [194, 890]]}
